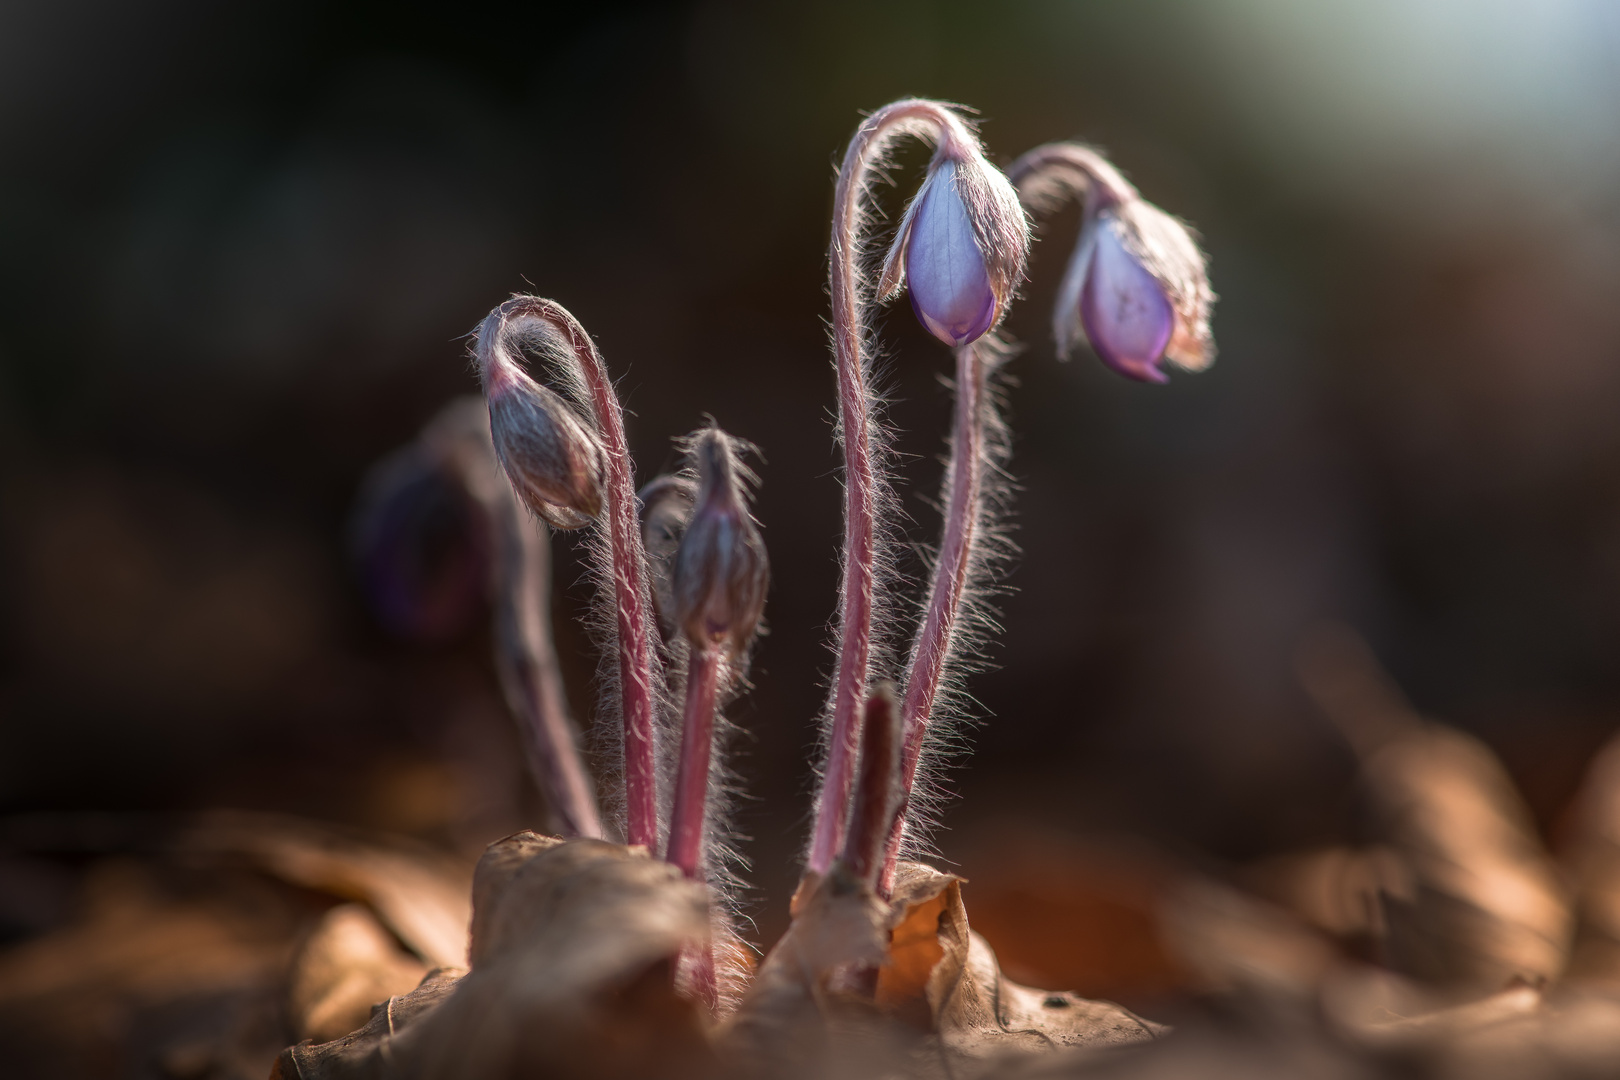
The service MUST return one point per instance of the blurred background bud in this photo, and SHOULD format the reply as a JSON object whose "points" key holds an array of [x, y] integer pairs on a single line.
{"points": [[421, 548], [666, 506]]}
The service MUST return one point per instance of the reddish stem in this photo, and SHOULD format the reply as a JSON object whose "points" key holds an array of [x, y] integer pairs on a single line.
{"points": [[692, 775], [692, 799], [935, 637], [698, 974], [861, 481], [631, 592], [877, 789], [1055, 171]]}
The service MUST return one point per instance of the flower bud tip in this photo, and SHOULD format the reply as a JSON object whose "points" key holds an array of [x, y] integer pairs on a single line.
{"points": [[721, 572]]}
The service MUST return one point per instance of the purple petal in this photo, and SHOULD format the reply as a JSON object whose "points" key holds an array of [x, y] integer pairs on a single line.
{"points": [[949, 285], [1127, 317]]}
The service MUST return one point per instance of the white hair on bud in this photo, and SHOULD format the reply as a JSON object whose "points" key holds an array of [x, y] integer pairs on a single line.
{"points": [[1000, 227]]}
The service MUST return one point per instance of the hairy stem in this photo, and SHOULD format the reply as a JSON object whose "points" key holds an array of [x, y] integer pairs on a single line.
{"points": [[692, 775], [698, 975], [1050, 174], [864, 485], [686, 833], [877, 789], [932, 647], [632, 597], [527, 660]]}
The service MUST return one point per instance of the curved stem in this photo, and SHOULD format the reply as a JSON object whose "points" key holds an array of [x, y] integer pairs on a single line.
{"points": [[638, 666], [527, 661], [863, 483], [932, 647], [525, 651], [1049, 174]]}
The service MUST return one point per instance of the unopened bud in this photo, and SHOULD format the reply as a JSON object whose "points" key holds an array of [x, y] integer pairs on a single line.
{"points": [[1136, 289], [421, 546], [961, 247], [721, 572], [666, 507], [552, 457]]}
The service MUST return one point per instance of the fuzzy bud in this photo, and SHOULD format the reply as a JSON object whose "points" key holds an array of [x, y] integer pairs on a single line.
{"points": [[1136, 289], [421, 547], [721, 572], [666, 507], [553, 458], [961, 247]]}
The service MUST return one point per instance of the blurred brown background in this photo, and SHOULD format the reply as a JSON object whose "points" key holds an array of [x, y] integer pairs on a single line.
{"points": [[240, 246]]}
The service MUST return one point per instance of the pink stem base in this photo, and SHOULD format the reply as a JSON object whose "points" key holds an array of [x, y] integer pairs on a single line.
{"points": [[877, 788], [692, 776], [697, 974]]}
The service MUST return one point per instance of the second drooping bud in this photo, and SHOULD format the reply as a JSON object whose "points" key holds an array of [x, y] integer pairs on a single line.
{"points": [[961, 247], [1136, 289], [550, 453], [721, 574]]}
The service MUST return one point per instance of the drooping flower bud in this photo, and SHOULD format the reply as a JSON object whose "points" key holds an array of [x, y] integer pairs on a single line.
{"points": [[666, 506], [961, 247], [421, 547], [551, 455], [1136, 289], [721, 572]]}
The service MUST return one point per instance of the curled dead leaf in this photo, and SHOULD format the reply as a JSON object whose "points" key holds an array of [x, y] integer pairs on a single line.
{"points": [[1594, 853], [1236, 943], [366, 1052], [1471, 899], [574, 947], [1481, 903], [419, 894], [347, 965], [909, 983]]}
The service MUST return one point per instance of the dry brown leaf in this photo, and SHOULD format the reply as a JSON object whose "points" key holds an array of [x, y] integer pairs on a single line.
{"points": [[1240, 944], [1594, 852], [186, 974], [1481, 903], [977, 1012], [813, 983], [347, 965], [367, 1052], [574, 950], [933, 978], [1471, 899], [421, 895]]}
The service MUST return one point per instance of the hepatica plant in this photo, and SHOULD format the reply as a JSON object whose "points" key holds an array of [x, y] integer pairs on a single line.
{"points": [[681, 567]]}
